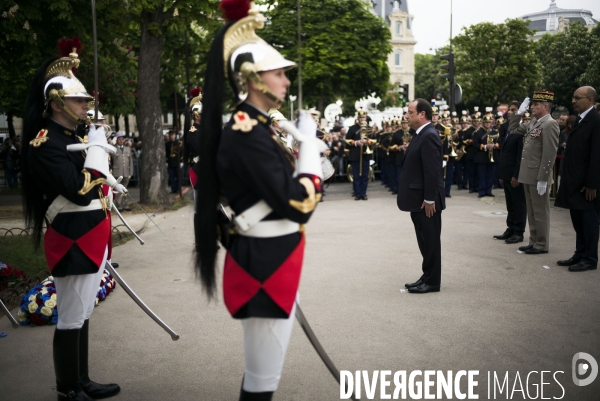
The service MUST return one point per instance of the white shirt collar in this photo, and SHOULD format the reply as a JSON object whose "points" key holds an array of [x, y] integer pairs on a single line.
{"points": [[422, 126], [582, 115]]}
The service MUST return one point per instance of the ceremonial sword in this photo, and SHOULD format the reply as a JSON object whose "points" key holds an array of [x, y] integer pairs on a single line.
{"points": [[317, 345], [141, 304], [12, 319]]}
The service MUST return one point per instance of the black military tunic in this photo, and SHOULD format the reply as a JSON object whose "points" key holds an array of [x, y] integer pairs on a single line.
{"points": [[253, 165]]}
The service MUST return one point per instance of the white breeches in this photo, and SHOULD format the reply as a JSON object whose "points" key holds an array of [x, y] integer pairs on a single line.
{"points": [[265, 343], [76, 297]]}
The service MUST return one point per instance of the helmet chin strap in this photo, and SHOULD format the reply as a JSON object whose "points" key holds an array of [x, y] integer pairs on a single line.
{"points": [[57, 96], [248, 71]]}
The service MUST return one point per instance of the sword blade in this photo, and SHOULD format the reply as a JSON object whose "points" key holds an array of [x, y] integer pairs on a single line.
{"points": [[317, 345], [150, 218], [114, 208], [141, 304], [10, 317]]}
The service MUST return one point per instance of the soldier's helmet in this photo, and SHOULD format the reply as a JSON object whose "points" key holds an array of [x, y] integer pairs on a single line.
{"points": [[245, 54], [361, 113], [60, 82], [196, 102], [526, 117], [435, 110], [465, 120], [488, 118]]}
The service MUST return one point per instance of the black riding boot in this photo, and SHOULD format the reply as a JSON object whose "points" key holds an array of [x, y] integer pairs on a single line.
{"points": [[66, 360], [247, 396], [92, 389]]}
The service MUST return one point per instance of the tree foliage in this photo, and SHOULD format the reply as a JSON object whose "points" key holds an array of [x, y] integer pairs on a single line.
{"points": [[428, 83], [344, 49], [496, 62], [569, 59]]}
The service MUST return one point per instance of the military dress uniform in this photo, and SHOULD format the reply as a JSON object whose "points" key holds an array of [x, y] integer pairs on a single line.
{"points": [[360, 180], [174, 157], [191, 138], [485, 159], [68, 190], [539, 154], [397, 151], [272, 197]]}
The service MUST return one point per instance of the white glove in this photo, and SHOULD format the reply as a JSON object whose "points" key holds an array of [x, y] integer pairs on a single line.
{"points": [[443, 163], [310, 147], [541, 187], [120, 189], [524, 106], [96, 137]]}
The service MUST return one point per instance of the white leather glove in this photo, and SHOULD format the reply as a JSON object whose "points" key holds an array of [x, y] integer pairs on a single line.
{"points": [[96, 137], [541, 187], [115, 184], [524, 106], [310, 147]]}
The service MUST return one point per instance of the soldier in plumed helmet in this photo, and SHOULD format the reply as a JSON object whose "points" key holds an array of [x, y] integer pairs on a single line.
{"points": [[270, 196], [485, 142], [191, 137], [68, 191]]}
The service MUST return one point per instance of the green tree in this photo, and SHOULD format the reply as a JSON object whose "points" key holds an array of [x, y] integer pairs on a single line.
{"points": [[564, 58], [154, 19], [344, 48], [591, 76], [428, 82], [495, 62]]}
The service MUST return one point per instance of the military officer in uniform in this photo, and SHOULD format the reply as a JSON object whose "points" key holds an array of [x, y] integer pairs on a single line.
{"points": [[360, 155], [271, 198], [122, 166], [539, 154], [448, 154], [68, 191], [398, 144]]}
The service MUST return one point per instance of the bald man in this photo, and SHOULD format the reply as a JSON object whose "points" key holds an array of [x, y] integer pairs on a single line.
{"points": [[580, 181]]}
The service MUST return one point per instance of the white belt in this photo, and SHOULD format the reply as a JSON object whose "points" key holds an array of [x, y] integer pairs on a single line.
{"points": [[251, 216], [271, 228], [63, 205]]}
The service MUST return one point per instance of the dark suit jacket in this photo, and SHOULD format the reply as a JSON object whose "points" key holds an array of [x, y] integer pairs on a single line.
{"points": [[421, 177], [581, 165], [510, 157]]}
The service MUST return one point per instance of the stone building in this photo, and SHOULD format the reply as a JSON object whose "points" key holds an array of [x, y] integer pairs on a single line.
{"points": [[555, 19]]}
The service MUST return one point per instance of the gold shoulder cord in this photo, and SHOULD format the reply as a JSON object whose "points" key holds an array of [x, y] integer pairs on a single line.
{"points": [[88, 184], [308, 204], [39, 139]]}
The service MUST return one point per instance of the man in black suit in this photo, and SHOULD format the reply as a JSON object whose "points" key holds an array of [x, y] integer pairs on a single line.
{"points": [[421, 192], [580, 181], [508, 173]]}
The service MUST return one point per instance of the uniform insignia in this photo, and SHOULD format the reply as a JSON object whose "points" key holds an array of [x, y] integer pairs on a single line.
{"points": [[536, 132], [40, 138], [68, 133], [193, 129], [85, 139], [243, 122], [262, 119]]}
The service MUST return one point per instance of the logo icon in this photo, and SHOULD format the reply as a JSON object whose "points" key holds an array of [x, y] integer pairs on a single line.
{"points": [[582, 368]]}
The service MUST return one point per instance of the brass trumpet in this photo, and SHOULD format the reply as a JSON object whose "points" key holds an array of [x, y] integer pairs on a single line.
{"points": [[490, 141]]}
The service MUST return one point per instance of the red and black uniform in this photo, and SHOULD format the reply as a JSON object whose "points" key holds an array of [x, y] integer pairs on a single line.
{"points": [[262, 275], [192, 150], [75, 241]]}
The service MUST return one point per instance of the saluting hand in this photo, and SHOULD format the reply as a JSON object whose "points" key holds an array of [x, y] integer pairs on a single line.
{"points": [[429, 208], [590, 194]]}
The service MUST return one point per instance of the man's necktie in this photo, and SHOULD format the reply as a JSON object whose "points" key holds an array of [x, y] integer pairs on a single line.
{"points": [[577, 121]]}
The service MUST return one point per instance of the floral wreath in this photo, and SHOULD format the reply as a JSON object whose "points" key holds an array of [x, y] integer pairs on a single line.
{"points": [[10, 276], [38, 306]]}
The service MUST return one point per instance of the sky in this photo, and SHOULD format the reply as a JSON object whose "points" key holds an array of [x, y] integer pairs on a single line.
{"points": [[431, 23]]}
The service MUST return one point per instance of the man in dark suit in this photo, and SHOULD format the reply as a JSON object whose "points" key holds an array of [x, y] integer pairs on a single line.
{"points": [[580, 181], [508, 172], [421, 192]]}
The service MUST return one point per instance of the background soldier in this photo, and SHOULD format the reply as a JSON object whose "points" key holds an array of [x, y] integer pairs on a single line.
{"points": [[122, 166], [191, 138], [174, 157], [486, 146], [360, 154], [539, 154]]}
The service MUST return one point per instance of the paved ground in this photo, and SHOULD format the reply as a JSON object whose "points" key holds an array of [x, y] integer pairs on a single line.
{"points": [[498, 311]]}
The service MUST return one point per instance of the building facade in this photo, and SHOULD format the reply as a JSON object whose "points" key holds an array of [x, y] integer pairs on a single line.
{"points": [[401, 61], [555, 19]]}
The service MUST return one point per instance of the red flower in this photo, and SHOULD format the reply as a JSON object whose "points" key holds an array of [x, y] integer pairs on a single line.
{"points": [[38, 319]]}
